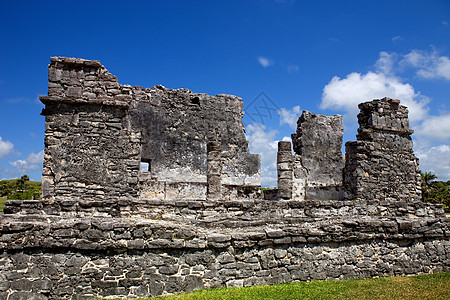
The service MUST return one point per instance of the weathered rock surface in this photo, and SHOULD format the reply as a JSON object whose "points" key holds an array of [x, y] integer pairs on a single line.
{"points": [[195, 218], [159, 247], [318, 162], [98, 131], [381, 163]]}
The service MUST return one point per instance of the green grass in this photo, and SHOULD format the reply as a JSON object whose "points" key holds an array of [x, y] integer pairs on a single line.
{"points": [[435, 286], [2, 202]]}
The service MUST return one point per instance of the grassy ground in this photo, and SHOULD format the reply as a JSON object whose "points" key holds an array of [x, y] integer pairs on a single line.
{"points": [[2, 202], [435, 286]]}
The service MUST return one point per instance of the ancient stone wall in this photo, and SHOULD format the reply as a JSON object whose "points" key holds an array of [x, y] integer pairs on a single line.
{"points": [[90, 150], [315, 170], [99, 131], [202, 244], [195, 218], [381, 163]]}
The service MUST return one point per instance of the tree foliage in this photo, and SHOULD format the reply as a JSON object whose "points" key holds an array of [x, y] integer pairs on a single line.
{"points": [[435, 191], [20, 189]]}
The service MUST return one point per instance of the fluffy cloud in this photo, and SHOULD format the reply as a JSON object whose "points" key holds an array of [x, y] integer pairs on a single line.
{"points": [[435, 127], [265, 62], [385, 64], [289, 116], [428, 64], [32, 162], [262, 141], [6, 147], [434, 159], [348, 92]]}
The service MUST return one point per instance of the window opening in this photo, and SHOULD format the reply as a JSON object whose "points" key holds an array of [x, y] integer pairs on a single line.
{"points": [[146, 165]]}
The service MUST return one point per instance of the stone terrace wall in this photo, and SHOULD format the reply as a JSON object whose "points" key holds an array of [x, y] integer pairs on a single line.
{"points": [[187, 247], [381, 163]]}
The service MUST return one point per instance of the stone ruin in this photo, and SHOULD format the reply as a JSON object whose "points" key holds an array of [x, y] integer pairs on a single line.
{"points": [[154, 191], [98, 132], [380, 165]]}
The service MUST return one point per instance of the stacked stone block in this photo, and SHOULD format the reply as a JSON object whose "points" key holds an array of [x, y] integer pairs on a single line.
{"points": [[381, 163], [214, 172], [90, 151], [284, 170], [265, 242], [318, 161]]}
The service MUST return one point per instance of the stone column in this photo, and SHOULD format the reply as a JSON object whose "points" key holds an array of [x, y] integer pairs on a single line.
{"points": [[214, 170], [284, 170]]}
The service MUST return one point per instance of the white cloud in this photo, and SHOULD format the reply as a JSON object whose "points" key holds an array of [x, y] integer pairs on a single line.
{"points": [[291, 68], [18, 163], [434, 159], [435, 127], [289, 116], [6, 147], [265, 62], [385, 63], [35, 158], [262, 141], [397, 38], [347, 93], [32, 162], [429, 64]]}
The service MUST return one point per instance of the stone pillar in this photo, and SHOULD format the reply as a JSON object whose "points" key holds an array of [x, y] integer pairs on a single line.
{"points": [[318, 162], [284, 170], [381, 164], [214, 170]]}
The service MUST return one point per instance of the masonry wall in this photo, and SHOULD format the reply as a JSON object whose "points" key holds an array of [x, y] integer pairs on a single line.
{"points": [[89, 153], [315, 171], [99, 131], [195, 219], [381, 163], [49, 257]]}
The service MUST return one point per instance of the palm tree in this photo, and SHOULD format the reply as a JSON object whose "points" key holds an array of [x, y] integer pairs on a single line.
{"points": [[427, 177]]}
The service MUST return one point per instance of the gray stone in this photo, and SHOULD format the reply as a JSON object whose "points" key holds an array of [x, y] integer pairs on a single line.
{"points": [[318, 161], [196, 219], [26, 296]]}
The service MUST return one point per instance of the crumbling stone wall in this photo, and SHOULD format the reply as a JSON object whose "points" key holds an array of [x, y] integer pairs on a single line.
{"points": [[99, 131], [315, 170], [194, 219], [90, 149], [381, 163], [318, 161], [157, 247]]}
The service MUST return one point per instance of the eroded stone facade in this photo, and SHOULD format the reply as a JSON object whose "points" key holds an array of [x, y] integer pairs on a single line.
{"points": [[318, 160], [195, 218], [99, 131], [381, 163]]}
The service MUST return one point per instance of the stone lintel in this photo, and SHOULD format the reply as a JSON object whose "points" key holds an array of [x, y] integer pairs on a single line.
{"points": [[75, 61]]}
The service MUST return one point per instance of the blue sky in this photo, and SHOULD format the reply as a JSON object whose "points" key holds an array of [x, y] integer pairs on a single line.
{"points": [[321, 56]]}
